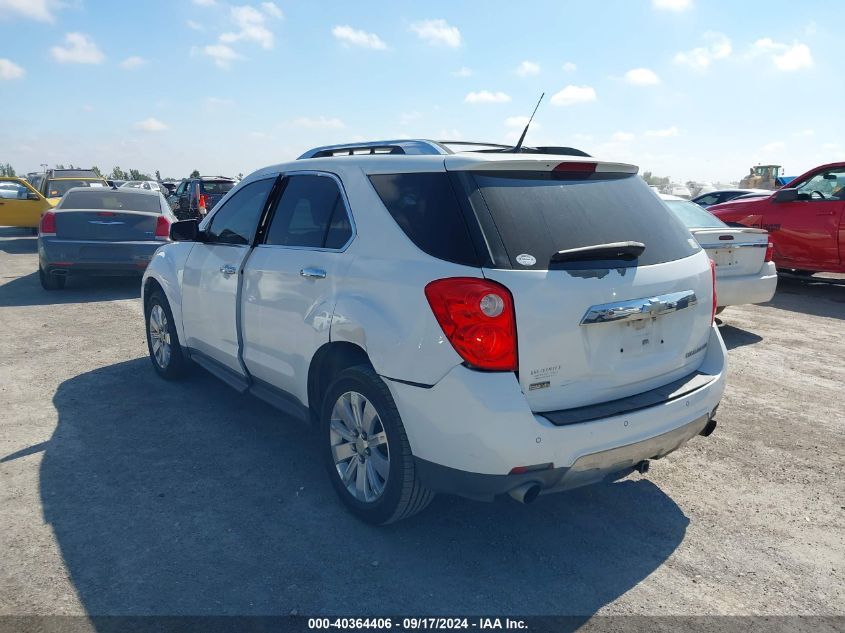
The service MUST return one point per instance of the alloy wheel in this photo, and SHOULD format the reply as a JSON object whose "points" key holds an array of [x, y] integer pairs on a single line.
{"points": [[359, 447], [159, 336]]}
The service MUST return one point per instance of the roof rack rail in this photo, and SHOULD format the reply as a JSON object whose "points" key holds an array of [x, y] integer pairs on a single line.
{"points": [[416, 147], [423, 147]]}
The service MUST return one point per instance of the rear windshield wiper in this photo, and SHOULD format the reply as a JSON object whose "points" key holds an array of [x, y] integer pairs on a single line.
{"points": [[627, 251]]}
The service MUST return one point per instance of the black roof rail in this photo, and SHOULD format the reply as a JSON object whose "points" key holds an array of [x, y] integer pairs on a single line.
{"points": [[418, 147]]}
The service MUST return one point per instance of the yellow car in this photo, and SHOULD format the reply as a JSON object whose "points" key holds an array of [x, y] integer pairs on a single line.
{"points": [[55, 188], [20, 204]]}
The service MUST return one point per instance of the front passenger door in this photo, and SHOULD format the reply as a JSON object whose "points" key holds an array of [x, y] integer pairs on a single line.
{"points": [[212, 272], [805, 232]]}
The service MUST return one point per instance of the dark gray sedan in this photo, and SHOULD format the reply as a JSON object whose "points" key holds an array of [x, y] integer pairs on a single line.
{"points": [[99, 231]]}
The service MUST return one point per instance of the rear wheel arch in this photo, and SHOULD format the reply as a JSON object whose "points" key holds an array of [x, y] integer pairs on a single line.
{"points": [[328, 361], [150, 286]]}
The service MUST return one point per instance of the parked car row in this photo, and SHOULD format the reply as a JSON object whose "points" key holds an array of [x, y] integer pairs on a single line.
{"points": [[480, 322]]}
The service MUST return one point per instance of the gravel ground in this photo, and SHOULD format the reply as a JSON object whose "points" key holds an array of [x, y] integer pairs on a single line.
{"points": [[123, 494]]}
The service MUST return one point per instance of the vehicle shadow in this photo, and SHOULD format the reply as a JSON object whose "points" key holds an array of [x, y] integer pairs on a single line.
{"points": [[188, 499], [17, 241], [817, 296], [27, 290], [737, 337]]}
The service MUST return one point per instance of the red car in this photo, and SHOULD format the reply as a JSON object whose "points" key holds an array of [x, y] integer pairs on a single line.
{"points": [[805, 220]]}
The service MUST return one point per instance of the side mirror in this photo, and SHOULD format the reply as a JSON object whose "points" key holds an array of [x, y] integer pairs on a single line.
{"points": [[32, 196], [786, 195], [185, 231]]}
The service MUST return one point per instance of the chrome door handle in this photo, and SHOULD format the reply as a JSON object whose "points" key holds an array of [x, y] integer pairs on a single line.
{"points": [[228, 269], [313, 273]]}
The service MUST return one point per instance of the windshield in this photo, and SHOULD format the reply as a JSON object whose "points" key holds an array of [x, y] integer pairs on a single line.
{"points": [[58, 188], [111, 200], [693, 216], [538, 214], [216, 186]]}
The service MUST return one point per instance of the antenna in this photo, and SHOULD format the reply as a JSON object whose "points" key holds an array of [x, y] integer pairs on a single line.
{"points": [[518, 146]]}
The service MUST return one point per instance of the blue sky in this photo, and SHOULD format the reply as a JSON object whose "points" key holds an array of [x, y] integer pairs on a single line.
{"points": [[692, 89]]}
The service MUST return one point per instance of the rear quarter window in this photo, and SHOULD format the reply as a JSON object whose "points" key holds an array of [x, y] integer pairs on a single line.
{"points": [[540, 213], [426, 208]]}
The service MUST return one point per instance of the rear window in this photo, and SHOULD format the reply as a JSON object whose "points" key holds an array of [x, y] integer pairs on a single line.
{"points": [[538, 214], [216, 186], [58, 188], [426, 208], [693, 216], [111, 200]]}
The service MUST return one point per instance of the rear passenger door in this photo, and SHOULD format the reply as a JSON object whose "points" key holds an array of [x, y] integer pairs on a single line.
{"points": [[210, 280], [291, 279]]}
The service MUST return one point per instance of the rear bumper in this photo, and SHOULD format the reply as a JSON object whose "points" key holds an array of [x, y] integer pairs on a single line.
{"points": [[757, 288], [91, 257], [470, 430]]}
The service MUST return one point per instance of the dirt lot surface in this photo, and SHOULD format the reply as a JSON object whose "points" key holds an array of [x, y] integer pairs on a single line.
{"points": [[124, 494]]}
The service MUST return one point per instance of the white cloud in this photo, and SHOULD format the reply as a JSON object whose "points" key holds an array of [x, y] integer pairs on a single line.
{"points": [[664, 133], [196, 26], [251, 27], [438, 33], [805, 133], [718, 47], [204, 3], [622, 137], [215, 104], [672, 5], [41, 10], [785, 57], [774, 146], [574, 94], [570, 67], [133, 62], [272, 9], [519, 122], [485, 96], [319, 123], [10, 70], [462, 72], [409, 117], [150, 125], [79, 49], [642, 77], [528, 68], [356, 37], [222, 55]]}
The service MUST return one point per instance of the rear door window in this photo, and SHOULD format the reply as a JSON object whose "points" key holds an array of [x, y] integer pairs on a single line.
{"points": [[426, 208], [310, 213], [235, 222], [538, 214]]}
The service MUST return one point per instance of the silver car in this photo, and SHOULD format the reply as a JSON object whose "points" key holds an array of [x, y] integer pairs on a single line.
{"points": [[99, 231]]}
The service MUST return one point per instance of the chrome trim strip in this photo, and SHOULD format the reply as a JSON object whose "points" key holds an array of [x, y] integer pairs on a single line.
{"points": [[639, 309], [736, 245]]}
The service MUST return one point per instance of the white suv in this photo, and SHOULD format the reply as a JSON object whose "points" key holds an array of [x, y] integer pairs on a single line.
{"points": [[473, 322]]}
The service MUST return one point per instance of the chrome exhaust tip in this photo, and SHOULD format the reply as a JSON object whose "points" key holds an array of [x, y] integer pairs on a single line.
{"points": [[526, 493]]}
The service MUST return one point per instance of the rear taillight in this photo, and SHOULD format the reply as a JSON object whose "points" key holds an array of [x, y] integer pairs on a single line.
{"points": [[48, 224], [477, 317], [770, 252], [162, 228], [713, 278]]}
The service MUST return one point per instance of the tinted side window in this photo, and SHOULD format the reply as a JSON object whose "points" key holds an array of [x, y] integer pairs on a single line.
{"points": [[310, 213], [424, 205], [236, 221]]}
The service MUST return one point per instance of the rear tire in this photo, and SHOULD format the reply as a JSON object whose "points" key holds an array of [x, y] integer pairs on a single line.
{"points": [[720, 309], [51, 282], [354, 453], [162, 340]]}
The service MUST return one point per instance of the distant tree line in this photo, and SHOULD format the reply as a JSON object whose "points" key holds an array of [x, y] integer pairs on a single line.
{"points": [[658, 181], [115, 174]]}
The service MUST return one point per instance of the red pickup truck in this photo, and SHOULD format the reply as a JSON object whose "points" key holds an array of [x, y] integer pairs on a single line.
{"points": [[805, 220]]}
